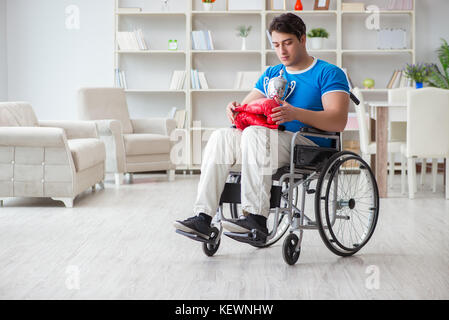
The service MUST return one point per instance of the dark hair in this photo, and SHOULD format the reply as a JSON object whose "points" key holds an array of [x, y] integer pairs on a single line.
{"points": [[288, 23]]}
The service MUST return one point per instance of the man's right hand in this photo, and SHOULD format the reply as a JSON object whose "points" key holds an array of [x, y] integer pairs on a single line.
{"points": [[230, 110]]}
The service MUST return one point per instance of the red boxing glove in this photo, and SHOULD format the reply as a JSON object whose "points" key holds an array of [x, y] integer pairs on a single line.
{"points": [[261, 106], [246, 119]]}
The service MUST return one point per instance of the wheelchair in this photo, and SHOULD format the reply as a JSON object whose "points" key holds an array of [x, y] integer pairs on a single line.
{"points": [[346, 201]]}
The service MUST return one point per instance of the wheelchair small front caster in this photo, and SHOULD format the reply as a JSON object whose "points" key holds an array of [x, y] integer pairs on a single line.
{"points": [[288, 249], [210, 247]]}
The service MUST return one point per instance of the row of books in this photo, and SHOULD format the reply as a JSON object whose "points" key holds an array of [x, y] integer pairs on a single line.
{"points": [[198, 80], [179, 116], [399, 80], [398, 5], [178, 79], [131, 40], [120, 79], [202, 40]]}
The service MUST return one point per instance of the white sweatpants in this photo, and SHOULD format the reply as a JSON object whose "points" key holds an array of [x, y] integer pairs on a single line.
{"points": [[259, 150]]}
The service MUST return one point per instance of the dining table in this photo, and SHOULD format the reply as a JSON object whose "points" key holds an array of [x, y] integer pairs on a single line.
{"points": [[383, 112]]}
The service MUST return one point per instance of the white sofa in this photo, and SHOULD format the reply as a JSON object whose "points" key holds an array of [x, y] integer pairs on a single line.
{"points": [[139, 145], [56, 159]]}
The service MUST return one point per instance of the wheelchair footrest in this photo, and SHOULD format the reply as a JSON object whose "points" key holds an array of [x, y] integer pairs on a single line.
{"points": [[253, 237], [195, 237]]}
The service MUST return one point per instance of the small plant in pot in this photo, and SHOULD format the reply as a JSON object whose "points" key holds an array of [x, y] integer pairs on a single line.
{"points": [[243, 32], [317, 37], [208, 5], [418, 72]]}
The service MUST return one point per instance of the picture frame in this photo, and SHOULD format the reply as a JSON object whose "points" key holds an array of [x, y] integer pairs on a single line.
{"points": [[321, 5], [278, 5]]}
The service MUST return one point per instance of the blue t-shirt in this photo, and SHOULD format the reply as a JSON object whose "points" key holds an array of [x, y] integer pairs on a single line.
{"points": [[310, 85]]}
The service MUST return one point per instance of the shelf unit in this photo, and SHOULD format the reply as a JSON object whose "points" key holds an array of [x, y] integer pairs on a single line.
{"points": [[149, 90]]}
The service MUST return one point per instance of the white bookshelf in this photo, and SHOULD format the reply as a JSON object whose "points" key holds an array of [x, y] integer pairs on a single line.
{"points": [[149, 72]]}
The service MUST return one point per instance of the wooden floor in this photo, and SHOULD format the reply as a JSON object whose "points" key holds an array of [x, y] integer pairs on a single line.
{"points": [[120, 244]]}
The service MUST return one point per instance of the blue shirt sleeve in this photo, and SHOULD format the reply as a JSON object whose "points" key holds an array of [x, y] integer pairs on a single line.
{"points": [[334, 80], [259, 84]]}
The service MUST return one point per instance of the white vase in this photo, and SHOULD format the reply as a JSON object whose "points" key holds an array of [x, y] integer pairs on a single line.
{"points": [[317, 43], [243, 44], [207, 6]]}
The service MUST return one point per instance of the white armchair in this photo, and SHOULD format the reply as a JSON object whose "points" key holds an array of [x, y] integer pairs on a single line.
{"points": [[56, 159], [139, 145]]}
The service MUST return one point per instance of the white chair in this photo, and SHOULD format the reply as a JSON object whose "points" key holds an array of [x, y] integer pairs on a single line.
{"points": [[427, 132], [367, 147], [132, 145]]}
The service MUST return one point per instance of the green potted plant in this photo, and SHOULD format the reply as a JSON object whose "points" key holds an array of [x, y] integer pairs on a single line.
{"points": [[418, 73], [208, 4], [317, 37], [437, 78], [243, 32]]}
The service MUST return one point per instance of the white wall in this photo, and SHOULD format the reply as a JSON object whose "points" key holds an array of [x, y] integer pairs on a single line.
{"points": [[3, 60], [47, 63], [431, 25]]}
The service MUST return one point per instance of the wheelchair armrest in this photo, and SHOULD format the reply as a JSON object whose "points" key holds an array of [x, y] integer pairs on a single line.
{"points": [[318, 131]]}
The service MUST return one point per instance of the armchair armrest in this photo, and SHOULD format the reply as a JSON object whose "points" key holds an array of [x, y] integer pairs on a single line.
{"points": [[164, 126], [73, 129], [110, 132], [32, 137]]}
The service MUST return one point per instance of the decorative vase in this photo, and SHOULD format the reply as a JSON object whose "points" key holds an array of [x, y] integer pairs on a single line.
{"points": [[207, 6], [317, 43], [243, 44], [419, 85], [298, 5]]}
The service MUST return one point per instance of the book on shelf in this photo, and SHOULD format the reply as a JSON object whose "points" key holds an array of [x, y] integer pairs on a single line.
{"points": [[399, 80], [203, 81], [129, 10], [180, 117], [351, 84], [172, 113], [178, 80], [246, 80], [398, 5], [353, 6], [269, 39], [133, 41], [120, 79], [202, 40]]}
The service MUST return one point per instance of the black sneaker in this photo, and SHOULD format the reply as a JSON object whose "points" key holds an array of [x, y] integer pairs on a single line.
{"points": [[246, 224], [199, 225]]}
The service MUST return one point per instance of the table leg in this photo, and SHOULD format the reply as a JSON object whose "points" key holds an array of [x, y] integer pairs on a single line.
{"points": [[382, 150]]}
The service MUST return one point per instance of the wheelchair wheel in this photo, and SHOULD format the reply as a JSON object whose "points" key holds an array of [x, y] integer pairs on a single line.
{"points": [[346, 203], [289, 253], [211, 249]]}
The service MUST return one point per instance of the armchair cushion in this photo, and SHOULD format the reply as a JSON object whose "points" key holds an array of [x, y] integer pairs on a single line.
{"points": [[17, 114], [86, 153], [145, 144]]}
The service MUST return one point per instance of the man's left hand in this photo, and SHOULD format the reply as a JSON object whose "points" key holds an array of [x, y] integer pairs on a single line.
{"points": [[284, 113]]}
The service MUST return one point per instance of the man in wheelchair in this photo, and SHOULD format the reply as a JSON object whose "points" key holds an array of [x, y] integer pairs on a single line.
{"points": [[319, 98]]}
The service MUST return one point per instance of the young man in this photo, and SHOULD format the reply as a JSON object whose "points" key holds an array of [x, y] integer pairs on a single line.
{"points": [[320, 99]]}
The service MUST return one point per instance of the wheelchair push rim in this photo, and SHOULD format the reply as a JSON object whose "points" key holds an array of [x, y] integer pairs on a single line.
{"points": [[346, 203]]}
